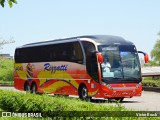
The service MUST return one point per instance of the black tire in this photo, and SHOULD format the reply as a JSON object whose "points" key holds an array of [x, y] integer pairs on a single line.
{"points": [[119, 99], [83, 93], [26, 87], [33, 88], [97, 101], [110, 100]]}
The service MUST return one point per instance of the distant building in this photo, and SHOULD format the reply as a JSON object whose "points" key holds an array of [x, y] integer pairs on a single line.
{"points": [[6, 56]]}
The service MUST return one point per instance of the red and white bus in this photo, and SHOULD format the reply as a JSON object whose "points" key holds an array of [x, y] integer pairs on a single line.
{"points": [[76, 66]]}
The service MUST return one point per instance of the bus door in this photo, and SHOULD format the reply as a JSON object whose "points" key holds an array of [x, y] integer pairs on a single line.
{"points": [[91, 67]]}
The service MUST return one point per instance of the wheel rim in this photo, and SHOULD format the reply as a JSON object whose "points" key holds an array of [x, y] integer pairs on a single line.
{"points": [[84, 93], [33, 89], [27, 87]]}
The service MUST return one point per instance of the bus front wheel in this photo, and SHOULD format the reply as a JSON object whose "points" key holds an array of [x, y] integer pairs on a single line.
{"points": [[83, 92]]}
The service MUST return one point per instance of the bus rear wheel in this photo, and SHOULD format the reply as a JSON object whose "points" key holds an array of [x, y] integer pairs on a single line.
{"points": [[34, 88], [26, 87], [83, 93]]}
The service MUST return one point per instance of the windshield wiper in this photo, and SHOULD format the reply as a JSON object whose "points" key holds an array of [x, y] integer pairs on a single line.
{"points": [[131, 78], [117, 78]]}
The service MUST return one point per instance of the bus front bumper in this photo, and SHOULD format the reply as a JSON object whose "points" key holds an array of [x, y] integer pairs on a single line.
{"points": [[121, 92]]}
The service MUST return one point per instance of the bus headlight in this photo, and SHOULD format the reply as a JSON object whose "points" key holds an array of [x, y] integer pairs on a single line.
{"points": [[108, 86], [103, 83], [138, 85]]}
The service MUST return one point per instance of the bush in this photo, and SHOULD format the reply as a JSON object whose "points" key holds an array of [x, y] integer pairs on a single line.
{"points": [[8, 76], [6, 67], [60, 107], [49, 106], [151, 83]]}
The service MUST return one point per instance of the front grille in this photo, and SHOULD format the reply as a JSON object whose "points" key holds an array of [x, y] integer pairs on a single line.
{"points": [[125, 88], [116, 94]]}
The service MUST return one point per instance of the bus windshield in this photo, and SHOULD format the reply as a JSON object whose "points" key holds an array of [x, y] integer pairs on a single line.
{"points": [[121, 62]]}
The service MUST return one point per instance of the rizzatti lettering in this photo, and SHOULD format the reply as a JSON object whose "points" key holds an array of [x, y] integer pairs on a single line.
{"points": [[53, 69]]}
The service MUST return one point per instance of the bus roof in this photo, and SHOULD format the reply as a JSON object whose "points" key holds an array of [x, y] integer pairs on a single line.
{"points": [[101, 39], [108, 39]]}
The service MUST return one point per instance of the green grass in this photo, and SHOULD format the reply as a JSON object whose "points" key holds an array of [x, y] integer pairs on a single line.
{"points": [[6, 71]]}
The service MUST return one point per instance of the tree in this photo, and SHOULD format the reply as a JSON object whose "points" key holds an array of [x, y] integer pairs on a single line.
{"points": [[3, 42], [155, 53], [10, 2]]}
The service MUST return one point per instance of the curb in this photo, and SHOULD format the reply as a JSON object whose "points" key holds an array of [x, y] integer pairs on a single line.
{"points": [[5, 85], [152, 89]]}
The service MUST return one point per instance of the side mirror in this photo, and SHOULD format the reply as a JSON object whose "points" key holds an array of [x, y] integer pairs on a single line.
{"points": [[99, 58], [146, 57]]}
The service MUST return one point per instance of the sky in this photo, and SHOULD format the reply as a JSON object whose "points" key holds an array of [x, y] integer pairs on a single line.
{"points": [[34, 20]]}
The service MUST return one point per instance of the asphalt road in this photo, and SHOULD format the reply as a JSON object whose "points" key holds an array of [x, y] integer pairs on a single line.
{"points": [[149, 101]]}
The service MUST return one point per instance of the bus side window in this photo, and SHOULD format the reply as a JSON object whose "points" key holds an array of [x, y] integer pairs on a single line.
{"points": [[70, 52], [77, 54]]}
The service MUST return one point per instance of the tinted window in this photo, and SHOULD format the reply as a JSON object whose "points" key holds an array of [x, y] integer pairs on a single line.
{"points": [[57, 52]]}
